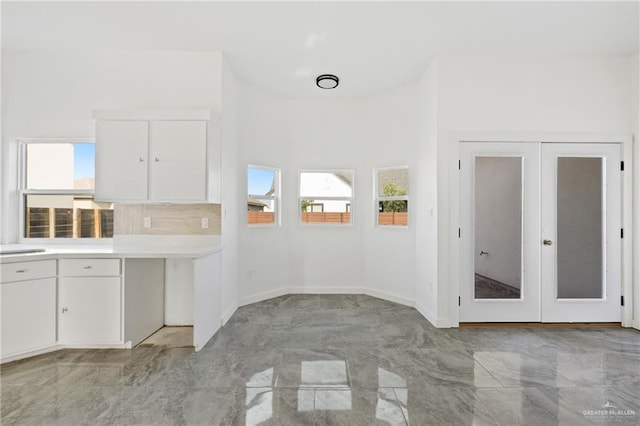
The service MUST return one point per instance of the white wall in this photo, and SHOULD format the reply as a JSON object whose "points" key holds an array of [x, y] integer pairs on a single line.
{"points": [[391, 139], [230, 195], [262, 140], [516, 95], [50, 93], [426, 196], [358, 134]]}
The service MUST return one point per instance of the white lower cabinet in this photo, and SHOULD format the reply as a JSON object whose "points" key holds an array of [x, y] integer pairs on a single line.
{"points": [[89, 307], [28, 315]]}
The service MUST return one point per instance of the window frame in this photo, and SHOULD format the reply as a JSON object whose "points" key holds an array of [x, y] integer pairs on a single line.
{"points": [[377, 198], [23, 192], [350, 200], [275, 198]]}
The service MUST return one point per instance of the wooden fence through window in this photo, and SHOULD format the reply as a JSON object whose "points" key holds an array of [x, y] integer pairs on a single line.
{"points": [[326, 217], [43, 222], [260, 217], [392, 218], [384, 218]]}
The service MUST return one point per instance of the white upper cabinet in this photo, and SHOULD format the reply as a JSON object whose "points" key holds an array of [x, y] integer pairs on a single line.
{"points": [[178, 169], [157, 156], [122, 157]]}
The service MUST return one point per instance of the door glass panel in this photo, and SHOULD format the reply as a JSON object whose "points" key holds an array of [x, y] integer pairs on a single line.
{"points": [[580, 230], [498, 228]]}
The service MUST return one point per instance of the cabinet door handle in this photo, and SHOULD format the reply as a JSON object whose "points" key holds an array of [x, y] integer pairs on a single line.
{"points": [[157, 160], [22, 271], [141, 160], [87, 267], [64, 310]]}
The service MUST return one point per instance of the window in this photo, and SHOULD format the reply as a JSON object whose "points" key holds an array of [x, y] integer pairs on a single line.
{"points": [[56, 191], [326, 196], [392, 196], [263, 195]]}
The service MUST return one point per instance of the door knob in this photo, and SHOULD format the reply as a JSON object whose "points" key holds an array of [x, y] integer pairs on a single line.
{"points": [[547, 242]]}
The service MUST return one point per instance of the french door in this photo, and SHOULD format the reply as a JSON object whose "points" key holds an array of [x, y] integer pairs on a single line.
{"points": [[540, 232]]}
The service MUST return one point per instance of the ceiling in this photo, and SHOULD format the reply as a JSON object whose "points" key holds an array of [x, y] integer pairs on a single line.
{"points": [[371, 46]]}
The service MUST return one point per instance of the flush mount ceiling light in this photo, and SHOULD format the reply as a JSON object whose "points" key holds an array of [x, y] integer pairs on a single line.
{"points": [[327, 81]]}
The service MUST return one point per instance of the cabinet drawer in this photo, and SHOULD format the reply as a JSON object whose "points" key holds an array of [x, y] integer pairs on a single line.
{"points": [[88, 267], [21, 271]]}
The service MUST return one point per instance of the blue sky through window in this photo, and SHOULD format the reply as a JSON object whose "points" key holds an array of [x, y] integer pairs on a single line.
{"points": [[260, 181], [84, 160]]}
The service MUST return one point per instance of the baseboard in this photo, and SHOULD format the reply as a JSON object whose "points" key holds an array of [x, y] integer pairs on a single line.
{"points": [[390, 297], [426, 313], [126, 345], [635, 324], [432, 318], [263, 296], [226, 315], [436, 322], [57, 347], [39, 351], [326, 290]]}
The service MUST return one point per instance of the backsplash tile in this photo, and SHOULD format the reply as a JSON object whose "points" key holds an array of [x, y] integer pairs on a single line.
{"points": [[167, 219]]}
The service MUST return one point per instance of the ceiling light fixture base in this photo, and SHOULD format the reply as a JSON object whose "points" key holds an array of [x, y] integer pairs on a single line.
{"points": [[327, 81]]}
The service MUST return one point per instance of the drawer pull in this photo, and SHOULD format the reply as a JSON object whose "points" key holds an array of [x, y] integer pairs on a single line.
{"points": [[87, 267], [22, 271]]}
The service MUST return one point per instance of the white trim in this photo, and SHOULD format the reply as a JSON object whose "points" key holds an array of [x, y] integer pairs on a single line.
{"points": [[326, 290], [152, 114], [451, 258], [60, 346], [126, 345], [226, 315], [389, 297], [431, 317], [33, 352], [259, 297], [628, 290]]}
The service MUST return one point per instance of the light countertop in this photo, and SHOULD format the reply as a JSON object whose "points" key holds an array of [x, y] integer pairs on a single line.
{"points": [[138, 246]]}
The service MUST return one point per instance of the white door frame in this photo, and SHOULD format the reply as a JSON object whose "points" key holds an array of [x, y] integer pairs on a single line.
{"points": [[451, 257]]}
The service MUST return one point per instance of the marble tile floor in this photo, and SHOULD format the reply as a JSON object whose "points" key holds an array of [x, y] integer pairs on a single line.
{"points": [[339, 360], [170, 337]]}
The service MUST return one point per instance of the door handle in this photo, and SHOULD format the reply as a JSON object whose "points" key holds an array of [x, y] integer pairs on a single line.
{"points": [[547, 242]]}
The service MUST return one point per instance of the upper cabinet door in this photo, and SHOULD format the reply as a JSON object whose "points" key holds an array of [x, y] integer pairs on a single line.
{"points": [[121, 160], [178, 161]]}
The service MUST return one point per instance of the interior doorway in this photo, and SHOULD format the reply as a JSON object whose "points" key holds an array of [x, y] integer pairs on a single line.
{"points": [[540, 232]]}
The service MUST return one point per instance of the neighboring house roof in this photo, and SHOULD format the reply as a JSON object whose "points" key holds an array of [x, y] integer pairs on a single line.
{"points": [[343, 177], [256, 203]]}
